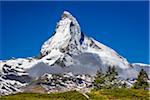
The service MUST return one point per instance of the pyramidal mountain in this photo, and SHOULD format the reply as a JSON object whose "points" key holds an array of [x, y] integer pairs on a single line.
{"points": [[68, 60]]}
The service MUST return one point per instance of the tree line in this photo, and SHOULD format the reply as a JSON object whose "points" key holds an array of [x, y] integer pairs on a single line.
{"points": [[110, 80]]}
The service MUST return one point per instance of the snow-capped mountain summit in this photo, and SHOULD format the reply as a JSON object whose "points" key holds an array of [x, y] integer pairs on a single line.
{"points": [[69, 39], [69, 50], [67, 36]]}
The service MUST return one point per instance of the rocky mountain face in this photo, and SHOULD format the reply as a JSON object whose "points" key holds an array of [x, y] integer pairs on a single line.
{"points": [[68, 60]]}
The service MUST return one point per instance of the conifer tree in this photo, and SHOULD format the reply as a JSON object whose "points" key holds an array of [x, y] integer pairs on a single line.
{"points": [[141, 80], [99, 80], [107, 80], [111, 73], [111, 80]]}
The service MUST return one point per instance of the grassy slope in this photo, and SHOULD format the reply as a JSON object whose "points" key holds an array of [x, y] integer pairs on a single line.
{"points": [[71, 95], [118, 94]]}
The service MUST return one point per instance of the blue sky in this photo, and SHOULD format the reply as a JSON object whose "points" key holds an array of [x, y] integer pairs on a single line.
{"points": [[121, 25]]}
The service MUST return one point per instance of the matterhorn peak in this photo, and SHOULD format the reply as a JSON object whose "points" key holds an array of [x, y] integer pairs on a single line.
{"points": [[67, 35]]}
